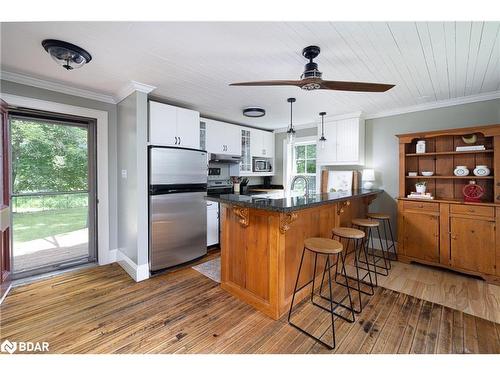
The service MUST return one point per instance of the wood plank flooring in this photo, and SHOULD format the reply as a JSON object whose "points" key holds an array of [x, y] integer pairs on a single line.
{"points": [[101, 310]]}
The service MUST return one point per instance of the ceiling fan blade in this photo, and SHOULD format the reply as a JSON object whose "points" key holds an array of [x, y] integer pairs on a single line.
{"points": [[355, 86], [268, 83]]}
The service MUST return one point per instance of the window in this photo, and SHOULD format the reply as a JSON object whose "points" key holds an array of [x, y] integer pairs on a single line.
{"points": [[304, 164]]}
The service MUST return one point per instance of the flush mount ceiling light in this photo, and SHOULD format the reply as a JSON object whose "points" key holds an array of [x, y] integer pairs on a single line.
{"points": [[254, 112], [66, 54]]}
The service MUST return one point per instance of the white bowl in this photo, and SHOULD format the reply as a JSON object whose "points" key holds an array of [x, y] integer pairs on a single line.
{"points": [[427, 173]]}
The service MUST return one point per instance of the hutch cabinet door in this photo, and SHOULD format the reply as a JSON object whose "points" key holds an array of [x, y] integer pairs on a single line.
{"points": [[473, 244], [421, 236]]}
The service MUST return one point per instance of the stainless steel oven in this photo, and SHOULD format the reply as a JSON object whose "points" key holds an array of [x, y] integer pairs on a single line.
{"points": [[262, 165]]}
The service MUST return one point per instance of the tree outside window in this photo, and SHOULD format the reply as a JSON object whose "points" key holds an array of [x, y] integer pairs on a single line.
{"points": [[304, 164]]}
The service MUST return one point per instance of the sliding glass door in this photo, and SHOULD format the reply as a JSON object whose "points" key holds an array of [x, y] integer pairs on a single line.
{"points": [[53, 192]]}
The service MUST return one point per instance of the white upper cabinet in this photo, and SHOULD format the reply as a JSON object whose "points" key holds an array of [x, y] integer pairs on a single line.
{"points": [[223, 138], [173, 126], [261, 143], [345, 142]]}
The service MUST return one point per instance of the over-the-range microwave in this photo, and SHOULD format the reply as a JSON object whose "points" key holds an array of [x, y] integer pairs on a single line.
{"points": [[262, 165]]}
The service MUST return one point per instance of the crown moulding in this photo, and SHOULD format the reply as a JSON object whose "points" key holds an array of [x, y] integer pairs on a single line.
{"points": [[128, 89]]}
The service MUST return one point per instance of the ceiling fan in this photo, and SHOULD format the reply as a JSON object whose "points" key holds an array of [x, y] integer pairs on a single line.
{"points": [[311, 79]]}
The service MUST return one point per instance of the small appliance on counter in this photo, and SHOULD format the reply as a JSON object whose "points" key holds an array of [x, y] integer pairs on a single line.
{"points": [[261, 165]]}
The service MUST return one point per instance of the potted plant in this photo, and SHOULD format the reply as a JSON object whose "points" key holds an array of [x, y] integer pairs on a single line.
{"points": [[421, 186]]}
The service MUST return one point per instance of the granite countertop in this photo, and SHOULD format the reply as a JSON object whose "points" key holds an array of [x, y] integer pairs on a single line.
{"points": [[280, 203]]}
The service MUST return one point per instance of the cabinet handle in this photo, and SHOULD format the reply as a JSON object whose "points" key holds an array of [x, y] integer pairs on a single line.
{"points": [[176, 141], [453, 237], [180, 140]]}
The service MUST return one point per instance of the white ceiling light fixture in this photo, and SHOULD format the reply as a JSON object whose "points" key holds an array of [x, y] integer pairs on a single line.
{"points": [[66, 54], [254, 112], [290, 133]]}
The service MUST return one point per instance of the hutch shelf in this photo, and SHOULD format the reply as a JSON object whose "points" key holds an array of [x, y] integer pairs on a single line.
{"points": [[447, 231]]}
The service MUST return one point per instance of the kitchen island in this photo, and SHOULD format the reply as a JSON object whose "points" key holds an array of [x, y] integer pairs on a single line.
{"points": [[262, 240]]}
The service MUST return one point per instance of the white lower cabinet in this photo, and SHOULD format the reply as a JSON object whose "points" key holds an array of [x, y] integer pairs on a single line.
{"points": [[212, 223]]}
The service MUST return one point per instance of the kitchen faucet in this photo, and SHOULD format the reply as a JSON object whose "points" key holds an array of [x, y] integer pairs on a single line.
{"points": [[292, 185]]}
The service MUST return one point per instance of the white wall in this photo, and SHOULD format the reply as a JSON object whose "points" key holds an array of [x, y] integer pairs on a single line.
{"points": [[132, 189]]}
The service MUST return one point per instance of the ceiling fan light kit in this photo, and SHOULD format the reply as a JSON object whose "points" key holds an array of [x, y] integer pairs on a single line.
{"points": [[311, 79], [66, 54]]}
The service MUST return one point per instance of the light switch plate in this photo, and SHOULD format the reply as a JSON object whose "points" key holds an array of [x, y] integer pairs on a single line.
{"points": [[124, 173]]}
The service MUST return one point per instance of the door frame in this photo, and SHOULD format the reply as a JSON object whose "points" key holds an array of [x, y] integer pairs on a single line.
{"points": [[105, 254], [5, 222], [90, 127]]}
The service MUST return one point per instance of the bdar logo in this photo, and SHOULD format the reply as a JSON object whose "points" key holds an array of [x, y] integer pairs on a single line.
{"points": [[9, 347]]}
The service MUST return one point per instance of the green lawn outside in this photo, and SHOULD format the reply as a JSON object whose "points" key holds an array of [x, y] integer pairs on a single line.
{"points": [[40, 224]]}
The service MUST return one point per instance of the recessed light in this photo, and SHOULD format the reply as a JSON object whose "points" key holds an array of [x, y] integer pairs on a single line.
{"points": [[254, 112]]}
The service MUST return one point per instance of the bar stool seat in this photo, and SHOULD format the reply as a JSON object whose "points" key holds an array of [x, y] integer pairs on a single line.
{"points": [[385, 219], [323, 245], [345, 232], [378, 216], [369, 226], [365, 222], [332, 250]]}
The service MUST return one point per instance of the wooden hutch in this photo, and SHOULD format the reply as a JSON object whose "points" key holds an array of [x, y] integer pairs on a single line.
{"points": [[447, 231]]}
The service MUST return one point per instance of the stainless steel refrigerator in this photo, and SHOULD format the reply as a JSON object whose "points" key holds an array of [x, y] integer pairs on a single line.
{"points": [[177, 207]]}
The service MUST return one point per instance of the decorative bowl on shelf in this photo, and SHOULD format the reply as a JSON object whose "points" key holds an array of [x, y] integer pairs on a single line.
{"points": [[427, 173], [460, 171], [481, 170]]}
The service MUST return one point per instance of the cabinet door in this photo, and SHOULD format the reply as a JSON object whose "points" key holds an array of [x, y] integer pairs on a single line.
{"points": [[328, 154], [256, 142], [223, 138], [188, 128], [473, 244], [421, 235], [212, 223], [348, 140], [162, 124], [268, 144]]}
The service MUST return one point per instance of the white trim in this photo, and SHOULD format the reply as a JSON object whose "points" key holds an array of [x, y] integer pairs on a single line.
{"points": [[437, 104], [54, 86], [137, 272], [103, 250], [131, 87]]}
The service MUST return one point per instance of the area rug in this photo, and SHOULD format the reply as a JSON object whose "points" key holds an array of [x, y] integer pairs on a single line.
{"points": [[210, 269]]}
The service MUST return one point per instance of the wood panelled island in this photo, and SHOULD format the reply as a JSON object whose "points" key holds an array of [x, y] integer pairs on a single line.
{"points": [[262, 241]]}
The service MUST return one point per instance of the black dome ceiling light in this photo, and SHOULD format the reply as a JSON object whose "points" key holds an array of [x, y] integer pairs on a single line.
{"points": [[66, 54], [254, 112]]}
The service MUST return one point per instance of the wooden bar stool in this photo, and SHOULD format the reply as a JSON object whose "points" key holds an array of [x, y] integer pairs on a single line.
{"points": [[332, 249], [385, 218], [368, 225], [355, 236]]}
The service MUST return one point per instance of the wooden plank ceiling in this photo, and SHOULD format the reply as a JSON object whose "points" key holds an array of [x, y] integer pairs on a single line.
{"points": [[193, 63]]}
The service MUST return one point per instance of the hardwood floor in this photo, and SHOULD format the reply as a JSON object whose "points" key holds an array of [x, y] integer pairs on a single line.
{"points": [[101, 310], [465, 293]]}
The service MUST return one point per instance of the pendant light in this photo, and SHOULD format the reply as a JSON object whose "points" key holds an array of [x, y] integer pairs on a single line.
{"points": [[290, 133], [322, 140]]}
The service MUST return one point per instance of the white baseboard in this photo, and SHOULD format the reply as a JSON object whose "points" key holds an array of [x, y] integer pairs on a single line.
{"points": [[111, 257], [136, 272]]}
